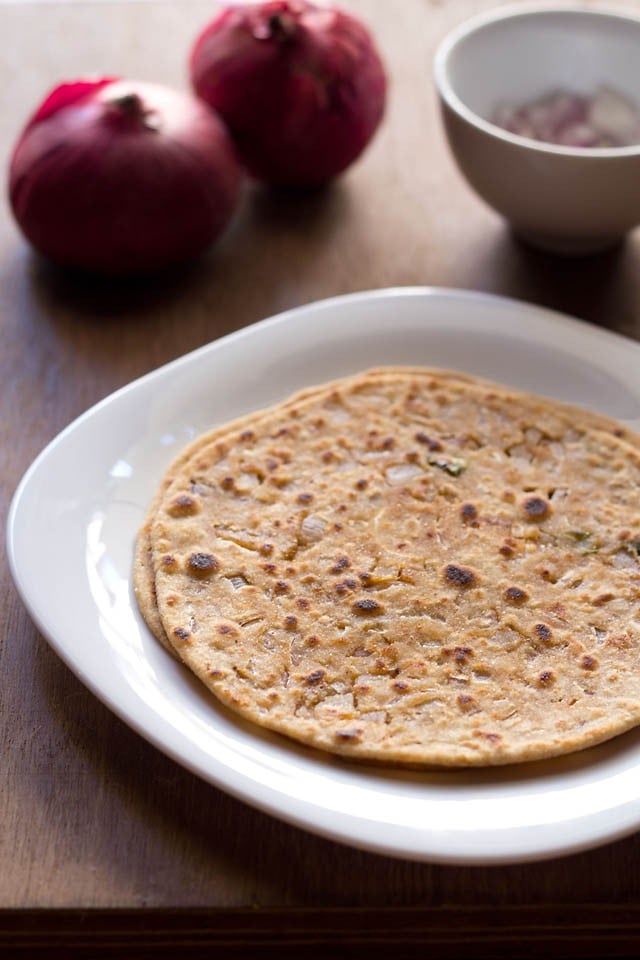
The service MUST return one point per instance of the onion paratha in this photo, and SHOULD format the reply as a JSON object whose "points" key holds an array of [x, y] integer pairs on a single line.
{"points": [[408, 567]]}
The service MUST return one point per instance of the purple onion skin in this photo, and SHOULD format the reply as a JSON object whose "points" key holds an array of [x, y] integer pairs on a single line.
{"points": [[302, 88], [121, 178]]}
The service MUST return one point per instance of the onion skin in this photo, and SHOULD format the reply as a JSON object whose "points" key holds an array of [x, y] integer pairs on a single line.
{"points": [[301, 87], [116, 177]]}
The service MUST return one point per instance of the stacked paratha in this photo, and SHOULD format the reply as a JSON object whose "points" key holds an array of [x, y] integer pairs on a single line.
{"points": [[407, 566]]}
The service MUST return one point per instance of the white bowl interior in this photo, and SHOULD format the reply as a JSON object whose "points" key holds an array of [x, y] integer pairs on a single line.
{"points": [[519, 57]]}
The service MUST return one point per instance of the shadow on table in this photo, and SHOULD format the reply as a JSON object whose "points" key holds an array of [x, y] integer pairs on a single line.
{"points": [[596, 288]]}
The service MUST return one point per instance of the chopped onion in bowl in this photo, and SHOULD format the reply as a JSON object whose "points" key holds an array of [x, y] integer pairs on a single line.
{"points": [[603, 119]]}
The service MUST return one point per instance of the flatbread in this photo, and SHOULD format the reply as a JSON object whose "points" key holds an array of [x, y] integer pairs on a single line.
{"points": [[143, 572], [411, 568]]}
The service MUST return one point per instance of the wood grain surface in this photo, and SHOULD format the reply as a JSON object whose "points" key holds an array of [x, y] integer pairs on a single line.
{"points": [[106, 846]]}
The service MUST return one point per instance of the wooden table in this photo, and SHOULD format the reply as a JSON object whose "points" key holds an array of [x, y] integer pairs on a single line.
{"points": [[107, 848]]}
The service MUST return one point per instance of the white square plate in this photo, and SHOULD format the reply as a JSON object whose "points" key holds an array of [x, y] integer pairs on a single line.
{"points": [[76, 512]]}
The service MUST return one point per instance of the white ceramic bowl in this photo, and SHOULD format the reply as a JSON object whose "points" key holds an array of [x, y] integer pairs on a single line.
{"points": [[564, 199]]}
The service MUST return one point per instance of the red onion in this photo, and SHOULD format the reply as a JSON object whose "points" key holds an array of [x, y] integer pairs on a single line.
{"points": [[301, 87], [118, 177], [606, 119]]}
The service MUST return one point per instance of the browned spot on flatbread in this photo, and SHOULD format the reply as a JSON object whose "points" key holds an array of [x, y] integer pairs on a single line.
{"points": [[367, 607], [459, 576], [536, 508], [202, 565], [183, 505]]}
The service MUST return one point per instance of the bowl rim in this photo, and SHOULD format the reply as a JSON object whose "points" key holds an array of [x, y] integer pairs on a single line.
{"points": [[512, 12]]}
